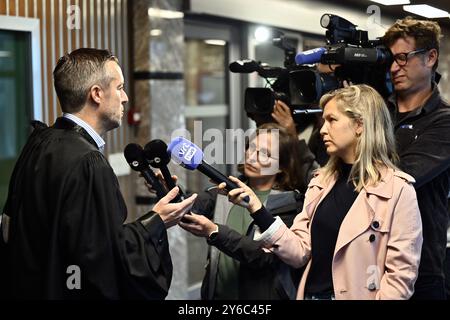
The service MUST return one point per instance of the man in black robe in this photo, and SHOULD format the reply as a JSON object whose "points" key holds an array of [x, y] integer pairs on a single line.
{"points": [[63, 235]]}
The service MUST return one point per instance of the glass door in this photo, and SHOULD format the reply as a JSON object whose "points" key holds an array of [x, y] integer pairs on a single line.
{"points": [[212, 106], [15, 101]]}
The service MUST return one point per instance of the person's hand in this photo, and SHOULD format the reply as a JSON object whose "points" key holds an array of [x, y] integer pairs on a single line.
{"points": [[171, 213], [326, 68], [346, 83], [237, 195], [282, 115], [198, 225]]}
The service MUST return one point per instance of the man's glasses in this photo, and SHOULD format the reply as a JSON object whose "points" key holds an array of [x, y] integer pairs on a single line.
{"points": [[402, 58]]}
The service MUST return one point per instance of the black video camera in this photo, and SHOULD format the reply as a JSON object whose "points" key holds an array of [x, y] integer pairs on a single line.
{"points": [[360, 61], [260, 101]]}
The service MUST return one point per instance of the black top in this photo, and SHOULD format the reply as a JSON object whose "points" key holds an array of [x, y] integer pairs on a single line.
{"points": [[401, 116], [423, 144], [66, 211], [324, 232]]}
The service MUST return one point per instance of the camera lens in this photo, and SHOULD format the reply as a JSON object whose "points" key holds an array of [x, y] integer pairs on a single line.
{"points": [[325, 20]]}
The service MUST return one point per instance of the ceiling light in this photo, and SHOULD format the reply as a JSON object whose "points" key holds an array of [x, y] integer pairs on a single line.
{"points": [[262, 34], [216, 42], [155, 32], [427, 11], [165, 14], [391, 2]]}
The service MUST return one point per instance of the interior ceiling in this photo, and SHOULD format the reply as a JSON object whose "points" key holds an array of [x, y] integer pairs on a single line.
{"points": [[398, 12], [395, 12]]}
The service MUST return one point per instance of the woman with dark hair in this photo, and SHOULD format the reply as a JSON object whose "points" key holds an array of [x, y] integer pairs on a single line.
{"points": [[237, 267]]}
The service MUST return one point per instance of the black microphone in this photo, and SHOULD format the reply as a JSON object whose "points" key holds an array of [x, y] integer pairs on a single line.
{"points": [[190, 156], [244, 66], [157, 156], [134, 154]]}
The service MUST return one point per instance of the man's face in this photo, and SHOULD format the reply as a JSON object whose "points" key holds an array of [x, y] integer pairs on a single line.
{"points": [[112, 106], [416, 73]]}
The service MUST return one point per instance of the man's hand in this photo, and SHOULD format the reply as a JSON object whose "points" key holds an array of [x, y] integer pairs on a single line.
{"points": [[198, 225], [282, 115], [326, 68], [171, 213], [237, 195]]}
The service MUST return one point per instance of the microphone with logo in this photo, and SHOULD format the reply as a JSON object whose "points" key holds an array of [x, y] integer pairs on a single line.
{"points": [[134, 154], [157, 156], [309, 56], [190, 156]]}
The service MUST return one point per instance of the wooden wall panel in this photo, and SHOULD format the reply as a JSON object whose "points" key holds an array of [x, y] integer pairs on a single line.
{"points": [[103, 25], [2, 8]]}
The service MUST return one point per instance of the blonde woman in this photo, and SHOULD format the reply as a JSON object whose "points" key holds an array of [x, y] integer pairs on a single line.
{"points": [[360, 231]]}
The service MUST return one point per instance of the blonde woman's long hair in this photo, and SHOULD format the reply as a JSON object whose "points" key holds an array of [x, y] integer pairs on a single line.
{"points": [[375, 148]]}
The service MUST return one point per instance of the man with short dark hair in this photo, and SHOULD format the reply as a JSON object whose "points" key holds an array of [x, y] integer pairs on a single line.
{"points": [[63, 219], [422, 129]]}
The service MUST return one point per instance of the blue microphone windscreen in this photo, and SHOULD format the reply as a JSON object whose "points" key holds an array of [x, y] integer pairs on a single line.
{"points": [[310, 56], [185, 153]]}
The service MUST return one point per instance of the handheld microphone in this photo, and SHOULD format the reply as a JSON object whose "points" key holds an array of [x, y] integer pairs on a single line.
{"points": [[134, 154], [157, 156], [190, 156], [244, 66], [309, 56]]}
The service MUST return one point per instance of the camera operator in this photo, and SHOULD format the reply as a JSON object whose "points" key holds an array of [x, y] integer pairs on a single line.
{"points": [[422, 130], [309, 136]]}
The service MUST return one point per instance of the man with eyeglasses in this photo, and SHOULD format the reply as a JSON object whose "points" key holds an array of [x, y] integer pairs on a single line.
{"points": [[422, 129]]}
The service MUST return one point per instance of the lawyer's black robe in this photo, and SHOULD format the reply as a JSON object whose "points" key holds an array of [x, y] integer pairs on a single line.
{"points": [[66, 209]]}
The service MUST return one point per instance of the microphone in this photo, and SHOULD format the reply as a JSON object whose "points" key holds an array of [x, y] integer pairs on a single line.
{"points": [[157, 156], [309, 56], [134, 154], [244, 66], [190, 156]]}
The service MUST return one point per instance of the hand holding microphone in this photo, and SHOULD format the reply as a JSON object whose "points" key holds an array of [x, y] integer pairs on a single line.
{"points": [[190, 156], [134, 154], [156, 153], [170, 213], [243, 191]]}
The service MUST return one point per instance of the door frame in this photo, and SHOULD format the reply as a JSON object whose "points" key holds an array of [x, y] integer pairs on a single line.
{"points": [[30, 25]]}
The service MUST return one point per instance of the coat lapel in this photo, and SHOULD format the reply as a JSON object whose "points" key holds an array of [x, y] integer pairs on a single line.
{"points": [[317, 190], [364, 209]]}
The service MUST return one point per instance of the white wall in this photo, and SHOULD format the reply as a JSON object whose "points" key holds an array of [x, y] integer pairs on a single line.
{"points": [[301, 15]]}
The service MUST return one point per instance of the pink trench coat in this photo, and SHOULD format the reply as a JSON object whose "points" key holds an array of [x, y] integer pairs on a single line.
{"points": [[378, 248]]}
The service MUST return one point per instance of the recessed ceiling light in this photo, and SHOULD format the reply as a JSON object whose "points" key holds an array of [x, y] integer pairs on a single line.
{"points": [[165, 14], [216, 42], [427, 11], [391, 2], [262, 34], [155, 32]]}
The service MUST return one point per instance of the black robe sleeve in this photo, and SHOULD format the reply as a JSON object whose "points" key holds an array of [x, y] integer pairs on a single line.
{"points": [[116, 260]]}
